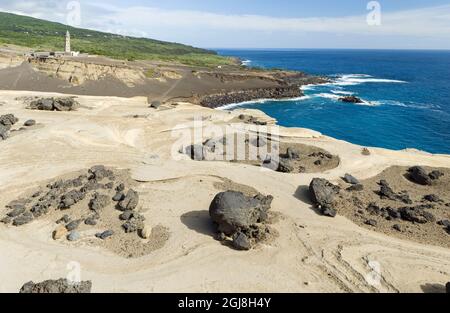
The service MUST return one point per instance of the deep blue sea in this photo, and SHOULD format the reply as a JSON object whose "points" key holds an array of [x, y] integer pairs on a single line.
{"points": [[406, 95]]}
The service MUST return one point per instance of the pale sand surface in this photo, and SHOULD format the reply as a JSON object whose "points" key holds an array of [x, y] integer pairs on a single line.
{"points": [[311, 254]]}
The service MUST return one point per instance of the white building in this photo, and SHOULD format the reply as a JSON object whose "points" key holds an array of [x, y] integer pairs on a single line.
{"points": [[67, 49], [56, 54]]}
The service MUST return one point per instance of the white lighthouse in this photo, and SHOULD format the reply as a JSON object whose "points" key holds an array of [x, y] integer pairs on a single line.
{"points": [[67, 49]]}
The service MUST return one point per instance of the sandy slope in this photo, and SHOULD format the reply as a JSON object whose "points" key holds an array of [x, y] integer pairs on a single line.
{"points": [[312, 253]]}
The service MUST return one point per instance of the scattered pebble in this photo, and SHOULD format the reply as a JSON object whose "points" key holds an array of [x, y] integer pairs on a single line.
{"points": [[105, 234], [29, 123], [65, 219], [145, 232], [241, 242], [73, 236], [73, 225]]}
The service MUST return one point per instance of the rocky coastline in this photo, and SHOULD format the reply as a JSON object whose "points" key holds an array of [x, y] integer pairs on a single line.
{"points": [[290, 87], [222, 99]]}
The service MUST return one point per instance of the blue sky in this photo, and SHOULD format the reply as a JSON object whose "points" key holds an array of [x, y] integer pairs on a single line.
{"points": [[398, 24], [283, 8]]}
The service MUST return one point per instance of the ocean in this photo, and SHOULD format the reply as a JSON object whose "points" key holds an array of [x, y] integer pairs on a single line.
{"points": [[406, 95]]}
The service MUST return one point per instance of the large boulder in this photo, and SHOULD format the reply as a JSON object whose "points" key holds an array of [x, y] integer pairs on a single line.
{"points": [[6, 121], [57, 286], [233, 211], [323, 195]]}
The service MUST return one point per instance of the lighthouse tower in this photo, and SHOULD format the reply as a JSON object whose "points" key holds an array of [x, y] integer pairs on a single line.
{"points": [[67, 49]]}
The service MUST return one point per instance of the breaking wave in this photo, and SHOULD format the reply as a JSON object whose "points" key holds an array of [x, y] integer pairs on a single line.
{"points": [[235, 105], [357, 79]]}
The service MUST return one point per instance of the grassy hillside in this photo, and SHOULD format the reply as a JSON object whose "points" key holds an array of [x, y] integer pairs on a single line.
{"points": [[43, 35]]}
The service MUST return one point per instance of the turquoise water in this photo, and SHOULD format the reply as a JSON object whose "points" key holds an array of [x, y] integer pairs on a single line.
{"points": [[406, 95]]}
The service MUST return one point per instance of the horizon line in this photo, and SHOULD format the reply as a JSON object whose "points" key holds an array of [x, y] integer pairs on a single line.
{"points": [[298, 49]]}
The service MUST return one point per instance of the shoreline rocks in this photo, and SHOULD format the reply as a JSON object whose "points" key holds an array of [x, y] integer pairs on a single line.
{"points": [[351, 99], [323, 195], [222, 99]]}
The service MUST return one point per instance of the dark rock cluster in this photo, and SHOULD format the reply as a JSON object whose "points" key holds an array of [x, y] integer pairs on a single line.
{"points": [[416, 214], [281, 92], [406, 210], [386, 192], [241, 217], [57, 286], [97, 186], [54, 104]]}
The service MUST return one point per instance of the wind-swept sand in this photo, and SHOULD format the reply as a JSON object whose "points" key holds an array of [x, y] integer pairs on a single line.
{"points": [[311, 254]]}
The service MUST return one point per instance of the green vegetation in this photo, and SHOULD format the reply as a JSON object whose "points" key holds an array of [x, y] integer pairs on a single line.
{"points": [[150, 73], [42, 35]]}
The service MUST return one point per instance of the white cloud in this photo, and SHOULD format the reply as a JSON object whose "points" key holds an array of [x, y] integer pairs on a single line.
{"points": [[187, 26]]}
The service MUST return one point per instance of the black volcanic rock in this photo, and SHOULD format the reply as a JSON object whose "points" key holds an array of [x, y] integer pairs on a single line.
{"points": [[351, 99], [280, 92], [8, 120], [57, 286], [233, 211], [323, 194]]}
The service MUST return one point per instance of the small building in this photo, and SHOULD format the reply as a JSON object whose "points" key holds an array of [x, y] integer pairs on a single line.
{"points": [[42, 56]]}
